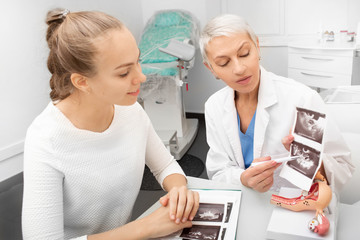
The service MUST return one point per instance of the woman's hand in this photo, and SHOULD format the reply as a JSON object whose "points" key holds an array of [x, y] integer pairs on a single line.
{"points": [[155, 225], [183, 203], [260, 177], [286, 141], [158, 224]]}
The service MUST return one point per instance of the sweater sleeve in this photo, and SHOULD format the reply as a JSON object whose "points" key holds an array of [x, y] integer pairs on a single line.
{"points": [[158, 158], [42, 211]]}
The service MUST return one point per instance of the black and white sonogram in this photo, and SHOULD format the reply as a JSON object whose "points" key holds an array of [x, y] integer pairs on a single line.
{"points": [[210, 212], [223, 233], [228, 211], [201, 232], [310, 124], [308, 161]]}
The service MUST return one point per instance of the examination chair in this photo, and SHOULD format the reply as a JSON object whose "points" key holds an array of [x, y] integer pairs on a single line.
{"points": [[167, 48]]}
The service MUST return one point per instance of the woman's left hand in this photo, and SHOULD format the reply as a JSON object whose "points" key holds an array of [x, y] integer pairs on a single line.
{"points": [[286, 141], [184, 203]]}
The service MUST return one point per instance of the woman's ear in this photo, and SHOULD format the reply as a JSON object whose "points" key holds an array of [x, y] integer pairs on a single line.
{"points": [[80, 82]]}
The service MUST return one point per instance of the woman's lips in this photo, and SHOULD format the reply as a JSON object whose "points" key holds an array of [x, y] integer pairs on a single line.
{"points": [[135, 93], [244, 80]]}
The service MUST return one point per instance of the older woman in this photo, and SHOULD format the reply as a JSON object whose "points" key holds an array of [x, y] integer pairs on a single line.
{"points": [[249, 120]]}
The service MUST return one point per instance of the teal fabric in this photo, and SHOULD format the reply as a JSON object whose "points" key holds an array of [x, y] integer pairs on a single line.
{"points": [[162, 72], [165, 26], [171, 18], [156, 37], [167, 19]]}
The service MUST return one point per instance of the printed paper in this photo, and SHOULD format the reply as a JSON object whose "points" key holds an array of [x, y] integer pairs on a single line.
{"points": [[308, 132]]}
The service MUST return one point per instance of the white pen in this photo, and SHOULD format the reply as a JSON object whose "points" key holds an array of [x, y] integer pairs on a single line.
{"points": [[279, 160]]}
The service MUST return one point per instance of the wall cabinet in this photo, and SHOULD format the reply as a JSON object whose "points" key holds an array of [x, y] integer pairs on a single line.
{"points": [[321, 65]]}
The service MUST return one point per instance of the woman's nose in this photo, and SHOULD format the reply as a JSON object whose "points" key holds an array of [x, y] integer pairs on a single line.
{"points": [[239, 67], [140, 77]]}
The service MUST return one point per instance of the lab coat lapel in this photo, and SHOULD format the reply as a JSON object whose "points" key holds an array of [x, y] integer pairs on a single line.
{"points": [[266, 98], [232, 132]]}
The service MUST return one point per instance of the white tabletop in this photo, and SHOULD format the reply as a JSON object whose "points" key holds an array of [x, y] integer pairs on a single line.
{"points": [[255, 212], [324, 45]]}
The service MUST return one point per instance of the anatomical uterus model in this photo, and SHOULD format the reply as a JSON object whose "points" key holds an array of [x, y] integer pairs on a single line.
{"points": [[317, 198]]}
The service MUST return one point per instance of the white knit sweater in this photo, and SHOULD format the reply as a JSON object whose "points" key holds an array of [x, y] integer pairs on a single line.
{"points": [[78, 182]]}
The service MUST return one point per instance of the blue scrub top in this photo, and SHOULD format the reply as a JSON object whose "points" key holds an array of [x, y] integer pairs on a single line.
{"points": [[247, 141]]}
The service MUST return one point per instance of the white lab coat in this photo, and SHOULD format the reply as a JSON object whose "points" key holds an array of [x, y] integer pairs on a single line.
{"points": [[275, 114]]}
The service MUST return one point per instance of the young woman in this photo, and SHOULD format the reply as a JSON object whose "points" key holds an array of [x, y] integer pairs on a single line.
{"points": [[247, 120], [85, 153]]}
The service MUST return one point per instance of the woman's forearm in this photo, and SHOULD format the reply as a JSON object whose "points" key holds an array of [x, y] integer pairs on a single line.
{"points": [[157, 224], [174, 180], [138, 229]]}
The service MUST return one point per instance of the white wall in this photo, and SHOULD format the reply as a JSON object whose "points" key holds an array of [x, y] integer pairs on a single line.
{"points": [[353, 15], [24, 78]]}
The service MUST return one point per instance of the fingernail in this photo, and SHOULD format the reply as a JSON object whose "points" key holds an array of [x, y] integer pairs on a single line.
{"points": [[178, 220], [191, 218], [172, 217], [184, 220]]}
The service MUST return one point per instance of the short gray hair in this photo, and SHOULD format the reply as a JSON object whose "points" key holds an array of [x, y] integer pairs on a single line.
{"points": [[223, 25]]}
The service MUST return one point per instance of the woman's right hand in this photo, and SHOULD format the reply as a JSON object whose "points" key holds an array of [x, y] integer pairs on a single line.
{"points": [[155, 225], [260, 177], [158, 223]]}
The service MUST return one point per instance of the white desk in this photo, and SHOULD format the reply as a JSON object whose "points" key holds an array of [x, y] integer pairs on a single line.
{"points": [[255, 212]]}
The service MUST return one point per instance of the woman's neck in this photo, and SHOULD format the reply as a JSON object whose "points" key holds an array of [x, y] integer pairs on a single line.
{"points": [[85, 114], [246, 104], [246, 100]]}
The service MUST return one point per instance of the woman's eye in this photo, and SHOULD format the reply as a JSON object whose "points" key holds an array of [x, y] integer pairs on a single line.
{"points": [[245, 55], [223, 64], [124, 74]]}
